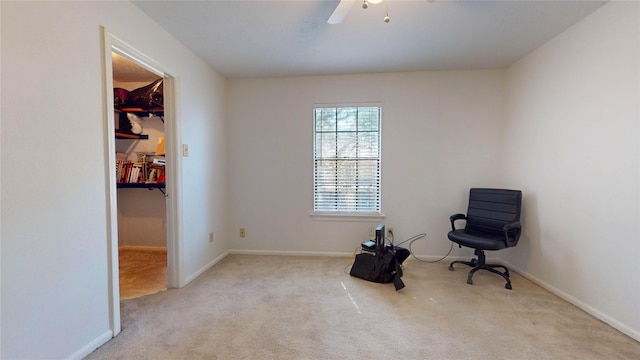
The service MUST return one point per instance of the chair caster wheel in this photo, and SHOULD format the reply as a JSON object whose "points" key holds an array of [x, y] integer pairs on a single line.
{"points": [[507, 286], [469, 281], [451, 268], [474, 262]]}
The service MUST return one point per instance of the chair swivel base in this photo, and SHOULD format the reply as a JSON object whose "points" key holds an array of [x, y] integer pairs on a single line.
{"points": [[480, 264]]}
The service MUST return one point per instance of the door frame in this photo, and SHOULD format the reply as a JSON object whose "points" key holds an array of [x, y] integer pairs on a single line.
{"points": [[175, 266]]}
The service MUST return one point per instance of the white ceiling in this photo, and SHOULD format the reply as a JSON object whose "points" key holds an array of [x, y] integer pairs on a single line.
{"points": [[127, 71], [290, 38]]}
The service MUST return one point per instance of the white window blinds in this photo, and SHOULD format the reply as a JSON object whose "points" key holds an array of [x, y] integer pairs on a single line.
{"points": [[347, 159]]}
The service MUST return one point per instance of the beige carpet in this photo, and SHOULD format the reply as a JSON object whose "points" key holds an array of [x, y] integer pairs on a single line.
{"points": [[142, 272], [277, 307]]}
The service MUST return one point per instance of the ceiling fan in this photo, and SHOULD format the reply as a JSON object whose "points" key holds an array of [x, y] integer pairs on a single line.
{"points": [[345, 5]]}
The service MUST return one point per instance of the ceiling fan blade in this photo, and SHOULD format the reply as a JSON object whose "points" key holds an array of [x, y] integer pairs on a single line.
{"points": [[341, 11]]}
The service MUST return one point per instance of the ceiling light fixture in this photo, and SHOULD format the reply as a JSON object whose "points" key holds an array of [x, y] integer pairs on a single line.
{"points": [[386, 16], [365, 5]]}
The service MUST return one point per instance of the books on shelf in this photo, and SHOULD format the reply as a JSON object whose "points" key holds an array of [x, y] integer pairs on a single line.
{"points": [[129, 172]]}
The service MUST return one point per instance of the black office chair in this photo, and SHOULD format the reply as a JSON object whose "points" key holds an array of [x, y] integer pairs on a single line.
{"points": [[493, 223]]}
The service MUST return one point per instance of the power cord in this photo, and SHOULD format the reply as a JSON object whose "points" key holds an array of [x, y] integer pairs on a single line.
{"points": [[415, 238]]}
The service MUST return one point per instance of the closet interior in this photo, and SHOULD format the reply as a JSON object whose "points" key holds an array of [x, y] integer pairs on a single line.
{"points": [[140, 173]]}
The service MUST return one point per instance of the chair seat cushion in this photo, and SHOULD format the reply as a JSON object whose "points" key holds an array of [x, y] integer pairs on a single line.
{"points": [[478, 240]]}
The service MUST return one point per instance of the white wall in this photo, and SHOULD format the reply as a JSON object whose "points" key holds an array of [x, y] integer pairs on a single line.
{"points": [[142, 218], [441, 134], [54, 193], [205, 187], [573, 145]]}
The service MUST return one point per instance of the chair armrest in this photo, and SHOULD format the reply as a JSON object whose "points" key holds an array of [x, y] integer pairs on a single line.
{"points": [[455, 217], [512, 233]]}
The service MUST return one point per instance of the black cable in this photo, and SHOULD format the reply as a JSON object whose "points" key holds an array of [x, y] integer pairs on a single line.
{"points": [[418, 237], [415, 237], [426, 261]]}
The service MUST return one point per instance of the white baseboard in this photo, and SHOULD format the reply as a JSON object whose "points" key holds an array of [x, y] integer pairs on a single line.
{"points": [[347, 254], [449, 258], [91, 346], [290, 253], [193, 276], [623, 328]]}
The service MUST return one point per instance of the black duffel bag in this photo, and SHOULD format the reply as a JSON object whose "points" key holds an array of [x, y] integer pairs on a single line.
{"points": [[382, 266], [147, 97]]}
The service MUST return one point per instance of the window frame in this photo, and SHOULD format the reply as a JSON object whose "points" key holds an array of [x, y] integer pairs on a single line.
{"points": [[348, 215]]}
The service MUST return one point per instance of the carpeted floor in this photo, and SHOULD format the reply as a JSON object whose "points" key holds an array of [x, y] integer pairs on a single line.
{"points": [[142, 272], [279, 307]]}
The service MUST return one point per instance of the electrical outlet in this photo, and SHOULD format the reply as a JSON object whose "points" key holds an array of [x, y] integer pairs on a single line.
{"points": [[389, 232], [185, 150], [242, 232], [211, 237], [372, 232]]}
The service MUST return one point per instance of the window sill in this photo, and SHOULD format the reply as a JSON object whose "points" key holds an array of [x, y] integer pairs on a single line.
{"points": [[346, 216]]}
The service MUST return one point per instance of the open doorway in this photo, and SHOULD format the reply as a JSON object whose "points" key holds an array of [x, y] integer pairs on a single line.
{"points": [[167, 195]]}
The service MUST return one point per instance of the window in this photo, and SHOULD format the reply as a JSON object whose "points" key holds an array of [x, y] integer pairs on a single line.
{"points": [[347, 160]]}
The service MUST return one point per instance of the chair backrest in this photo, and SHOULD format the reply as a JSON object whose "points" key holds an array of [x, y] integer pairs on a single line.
{"points": [[490, 209]]}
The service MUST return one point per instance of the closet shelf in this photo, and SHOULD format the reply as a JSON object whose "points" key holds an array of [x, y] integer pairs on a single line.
{"points": [[143, 112], [128, 135], [141, 185]]}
